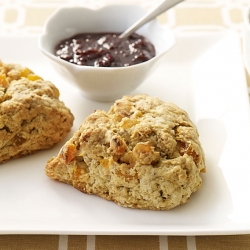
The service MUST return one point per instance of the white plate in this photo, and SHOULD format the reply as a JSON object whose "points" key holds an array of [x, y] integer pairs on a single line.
{"points": [[202, 74]]}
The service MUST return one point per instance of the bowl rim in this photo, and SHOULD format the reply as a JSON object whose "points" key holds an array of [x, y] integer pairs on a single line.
{"points": [[84, 8], [76, 67]]}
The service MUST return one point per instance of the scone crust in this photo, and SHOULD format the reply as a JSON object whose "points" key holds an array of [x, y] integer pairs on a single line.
{"points": [[31, 115], [144, 153]]}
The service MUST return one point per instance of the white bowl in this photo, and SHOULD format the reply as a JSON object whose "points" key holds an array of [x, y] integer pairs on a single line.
{"points": [[246, 40], [99, 83]]}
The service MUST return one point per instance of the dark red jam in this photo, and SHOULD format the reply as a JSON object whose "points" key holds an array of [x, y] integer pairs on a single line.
{"points": [[105, 50]]}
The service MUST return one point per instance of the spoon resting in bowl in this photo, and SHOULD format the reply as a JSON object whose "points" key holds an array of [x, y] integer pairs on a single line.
{"points": [[160, 8]]}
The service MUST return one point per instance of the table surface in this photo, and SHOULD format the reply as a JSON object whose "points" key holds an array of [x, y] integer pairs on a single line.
{"points": [[199, 16]]}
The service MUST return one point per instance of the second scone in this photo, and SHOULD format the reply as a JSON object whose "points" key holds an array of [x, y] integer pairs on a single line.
{"points": [[31, 115], [144, 153]]}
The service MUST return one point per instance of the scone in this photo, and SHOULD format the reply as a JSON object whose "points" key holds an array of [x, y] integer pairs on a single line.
{"points": [[31, 115], [144, 153]]}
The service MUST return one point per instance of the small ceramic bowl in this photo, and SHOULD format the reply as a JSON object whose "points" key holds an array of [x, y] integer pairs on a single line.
{"points": [[103, 83], [246, 40]]}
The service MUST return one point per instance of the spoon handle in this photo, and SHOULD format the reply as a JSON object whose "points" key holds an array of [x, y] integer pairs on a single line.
{"points": [[163, 6]]}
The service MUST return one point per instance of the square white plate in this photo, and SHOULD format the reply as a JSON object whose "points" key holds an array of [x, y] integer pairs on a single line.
{"points": [[203, 75]]}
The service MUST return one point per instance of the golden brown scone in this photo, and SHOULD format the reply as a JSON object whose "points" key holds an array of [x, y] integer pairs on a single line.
{"points": [[143, 153], [31, 115]]}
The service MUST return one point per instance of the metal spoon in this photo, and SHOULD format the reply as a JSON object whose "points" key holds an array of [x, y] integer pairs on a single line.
{"points": [[163, 6]]}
